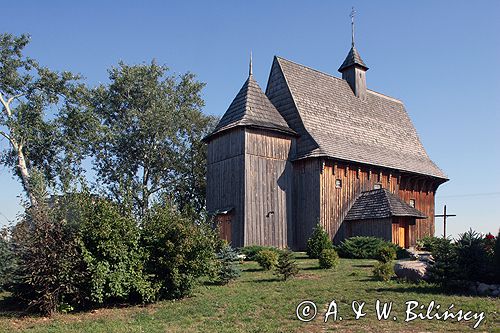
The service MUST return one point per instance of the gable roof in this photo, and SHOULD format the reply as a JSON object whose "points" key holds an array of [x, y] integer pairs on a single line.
{"points": [[353, 58], [335, 123], [251, 107], [379, 204]]}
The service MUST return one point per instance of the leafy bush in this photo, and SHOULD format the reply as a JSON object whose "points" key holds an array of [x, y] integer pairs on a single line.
{"points": [[267, 259], [110, 244], [328, 258], [228, 268], [179, 251], [251, 251], [383, 271], [318, 242], [427, 243], [7, 261], [386, 254], [286, 267], [50, 269], [445, 268]]}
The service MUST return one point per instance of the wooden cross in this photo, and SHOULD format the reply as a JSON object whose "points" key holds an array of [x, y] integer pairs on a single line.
{"points": [[353, 12], [444, 216]]}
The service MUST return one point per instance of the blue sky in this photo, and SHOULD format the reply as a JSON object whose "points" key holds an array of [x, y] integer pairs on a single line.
{"points": [[439, 57]]}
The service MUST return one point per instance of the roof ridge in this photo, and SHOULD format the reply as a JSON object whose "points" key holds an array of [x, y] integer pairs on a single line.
{"points": [[308, 67], [385, 96], [338, 78]]}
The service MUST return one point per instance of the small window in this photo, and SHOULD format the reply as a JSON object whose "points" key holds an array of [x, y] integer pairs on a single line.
{"points": [[377, 186], [338, 183], [412, 203]]}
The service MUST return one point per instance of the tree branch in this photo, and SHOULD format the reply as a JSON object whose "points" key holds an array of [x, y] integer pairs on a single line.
{"points": [[15, 97], [5, 135]]}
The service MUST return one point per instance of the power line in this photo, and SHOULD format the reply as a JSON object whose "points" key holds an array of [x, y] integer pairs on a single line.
{"points": [[487, 194]]}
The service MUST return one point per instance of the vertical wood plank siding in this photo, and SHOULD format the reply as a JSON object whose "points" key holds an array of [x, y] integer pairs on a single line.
{"points": [[268, 183], [225, 179], [306, 200], [381, 228], [336, 202]]}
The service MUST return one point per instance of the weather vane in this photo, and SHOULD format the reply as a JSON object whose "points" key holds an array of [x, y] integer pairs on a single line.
{"points": [[353, 12]]}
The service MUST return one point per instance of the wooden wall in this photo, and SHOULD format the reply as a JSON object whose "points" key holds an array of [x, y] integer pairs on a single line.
{"points": [[268, 183], [225, 178], [306, 200], [336, 202], [381, 228]]}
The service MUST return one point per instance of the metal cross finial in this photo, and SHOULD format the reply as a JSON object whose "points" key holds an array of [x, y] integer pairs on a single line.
{"points": [[353, 12], [250, 69]]}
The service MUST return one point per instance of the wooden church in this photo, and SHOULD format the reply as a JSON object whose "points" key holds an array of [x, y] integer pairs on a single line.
{"points": [[315, 148]]}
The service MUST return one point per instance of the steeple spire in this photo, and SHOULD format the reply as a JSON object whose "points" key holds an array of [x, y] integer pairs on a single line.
{"points": [[353, 12], [250, 69], [353, 68]]}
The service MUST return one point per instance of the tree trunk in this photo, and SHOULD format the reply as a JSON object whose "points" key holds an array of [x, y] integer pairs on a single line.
{"points": [[25, 176]]}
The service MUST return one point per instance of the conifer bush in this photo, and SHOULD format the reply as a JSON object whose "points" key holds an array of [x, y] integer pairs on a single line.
{"points": [[267, 259], [229, 267], [251, 251], [318, 242], [286, 267], [383, 271], [445, 269], [386, 254], [328, 258]]}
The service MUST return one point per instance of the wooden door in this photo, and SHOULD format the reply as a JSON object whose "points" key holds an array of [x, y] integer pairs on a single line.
{"points": [[224, 226], [401, 232]]}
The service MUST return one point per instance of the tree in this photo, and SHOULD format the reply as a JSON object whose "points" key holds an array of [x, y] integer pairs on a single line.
{"points": [[40, 118], [149, 134], [318, 242], [286, 267]]}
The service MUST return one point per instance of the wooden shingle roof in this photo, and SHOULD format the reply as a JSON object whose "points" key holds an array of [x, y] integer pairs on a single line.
{"points": [[252, 108], [333, 122], [379, 204]]}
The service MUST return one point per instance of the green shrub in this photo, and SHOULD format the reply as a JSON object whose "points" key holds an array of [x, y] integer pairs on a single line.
{"points": [[383, 271], [179, 252], [386, 254], [445, 269], [360, 247], [110, 243], [286, 267], [229, 267], [318, 242], [426, 243], [328, 258], [251, 251], [267, 259]]}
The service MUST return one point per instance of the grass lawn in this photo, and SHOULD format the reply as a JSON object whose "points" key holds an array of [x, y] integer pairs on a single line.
{"points": [[257, 302]]}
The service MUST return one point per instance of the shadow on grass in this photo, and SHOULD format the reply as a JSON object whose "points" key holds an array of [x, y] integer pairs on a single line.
{"points": [[312, 268], [10, 308], [363, 266], [429, 289], [253, 270]]}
